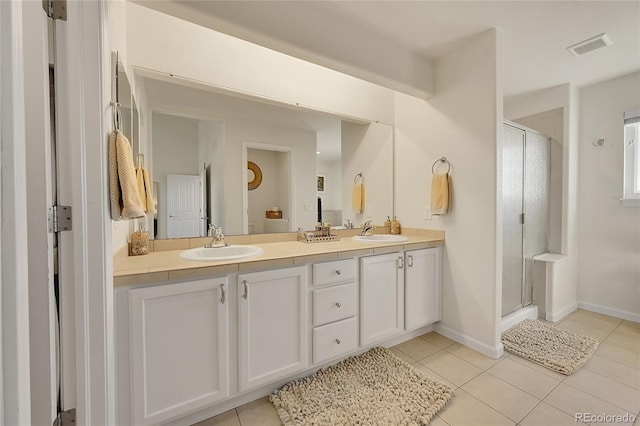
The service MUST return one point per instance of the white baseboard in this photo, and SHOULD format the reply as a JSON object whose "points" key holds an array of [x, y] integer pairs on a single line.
{"points": [[528, 312], [617, 313], [494, 352], [558, 315]]}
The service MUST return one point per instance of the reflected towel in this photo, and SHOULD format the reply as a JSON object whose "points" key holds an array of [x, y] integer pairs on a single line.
{"points": [[123, 188], [440, 194], [357, 200], [148, 188], [141, 190]]}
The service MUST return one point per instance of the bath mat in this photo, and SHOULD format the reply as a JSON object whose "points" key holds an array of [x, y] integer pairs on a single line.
{"points": [[560, 350], [374, 388]]}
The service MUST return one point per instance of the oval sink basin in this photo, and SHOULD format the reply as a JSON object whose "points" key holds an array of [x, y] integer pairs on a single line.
{"points": [[380, 238], [211, 254]]}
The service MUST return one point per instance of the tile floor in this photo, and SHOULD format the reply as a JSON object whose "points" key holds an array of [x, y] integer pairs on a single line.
{"points": [[512, 390]]}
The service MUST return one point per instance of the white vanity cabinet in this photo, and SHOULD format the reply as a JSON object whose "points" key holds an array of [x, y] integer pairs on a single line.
{"points": [[381, 297], [179, 337], [422, 287], [334, 309], [272, 325]]}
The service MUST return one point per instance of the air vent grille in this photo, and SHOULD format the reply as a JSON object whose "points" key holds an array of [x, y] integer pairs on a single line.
{"points": [[591, 44]]}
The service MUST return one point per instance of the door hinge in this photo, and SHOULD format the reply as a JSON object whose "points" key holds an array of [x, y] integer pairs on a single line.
{"points": [[66, 418], [56, 9], [59, 218]]}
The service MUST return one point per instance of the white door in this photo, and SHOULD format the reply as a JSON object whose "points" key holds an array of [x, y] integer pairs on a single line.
{"points": [[422, 287], [179, 336], [184, 206], [381, 297], [272, 325]]}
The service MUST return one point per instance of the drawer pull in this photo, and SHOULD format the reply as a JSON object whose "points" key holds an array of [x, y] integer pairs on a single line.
{"points": [[338, 341], [338, 272], [338, 304]]}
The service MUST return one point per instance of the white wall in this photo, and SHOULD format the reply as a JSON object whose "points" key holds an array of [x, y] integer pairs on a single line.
{"points": [[195, 52], [462, 122], [332, 197], [368, 149], [565, 290], [608, 233], [176, 151]]}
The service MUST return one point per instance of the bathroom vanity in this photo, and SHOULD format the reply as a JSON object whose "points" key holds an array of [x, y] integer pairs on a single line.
{"points": [[195, 339]]}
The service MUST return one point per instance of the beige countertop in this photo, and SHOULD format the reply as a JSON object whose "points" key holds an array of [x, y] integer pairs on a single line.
{"points": [[167, 265]]}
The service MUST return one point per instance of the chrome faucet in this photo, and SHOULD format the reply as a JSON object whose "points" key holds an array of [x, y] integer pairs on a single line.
{"points": [[218, 237], [367, 229], [348, 223]]}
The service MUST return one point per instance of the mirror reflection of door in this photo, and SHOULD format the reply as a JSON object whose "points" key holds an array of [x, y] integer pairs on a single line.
{"points": [[185, 204]]}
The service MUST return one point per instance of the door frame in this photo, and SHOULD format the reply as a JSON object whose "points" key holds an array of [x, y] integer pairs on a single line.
{"points": [[290, 151], [83, 67]]}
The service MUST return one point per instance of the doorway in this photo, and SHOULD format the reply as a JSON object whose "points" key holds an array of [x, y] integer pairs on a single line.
{"points": [[526, 171]]}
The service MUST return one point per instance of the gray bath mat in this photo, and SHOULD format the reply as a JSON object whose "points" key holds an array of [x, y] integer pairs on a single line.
{"points": [[374, 388], [560, 350]]}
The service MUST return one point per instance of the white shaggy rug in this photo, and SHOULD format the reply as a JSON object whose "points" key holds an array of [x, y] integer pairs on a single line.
{"points": [[374, 388], [559, 350]]}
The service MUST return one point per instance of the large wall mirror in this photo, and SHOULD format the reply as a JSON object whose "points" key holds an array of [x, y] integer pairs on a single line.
{"points": [[204, 149]]}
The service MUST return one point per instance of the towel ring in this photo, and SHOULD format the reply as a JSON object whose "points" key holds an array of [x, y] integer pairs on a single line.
{"points": [[359, 175], [440, 160], [117, 117]]}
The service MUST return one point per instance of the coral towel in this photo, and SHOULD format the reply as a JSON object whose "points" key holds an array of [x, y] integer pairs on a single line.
{"points": [[440, 194], [357, 201], [123, 188]]}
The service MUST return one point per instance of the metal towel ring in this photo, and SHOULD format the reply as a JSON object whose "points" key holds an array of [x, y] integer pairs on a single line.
{"points": [[441, 160], [359, 175]]}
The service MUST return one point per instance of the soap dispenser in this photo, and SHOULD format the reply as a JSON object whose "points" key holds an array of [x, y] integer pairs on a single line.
{"points": [[395, 226], [387, 223]]}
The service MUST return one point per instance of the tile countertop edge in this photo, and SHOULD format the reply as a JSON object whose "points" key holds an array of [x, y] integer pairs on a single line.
{"points": [[135, 269]]}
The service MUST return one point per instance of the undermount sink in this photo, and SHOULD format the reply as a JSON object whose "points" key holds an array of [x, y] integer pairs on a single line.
{"points": [[211, 254], [380, 238]]}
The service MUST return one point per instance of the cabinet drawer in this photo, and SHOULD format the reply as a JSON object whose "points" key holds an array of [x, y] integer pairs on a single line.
{"points": [[335, 339], [334, 272], [334, 303]]}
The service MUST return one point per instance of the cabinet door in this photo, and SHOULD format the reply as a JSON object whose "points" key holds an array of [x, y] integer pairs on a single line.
{"points": [[272, 325], [179, 348], [422, 287], [381, 297]]}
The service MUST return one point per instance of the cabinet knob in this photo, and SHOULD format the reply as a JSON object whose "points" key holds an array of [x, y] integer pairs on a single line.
{"points": [[338, 341], [338, 272], [338, 304]]}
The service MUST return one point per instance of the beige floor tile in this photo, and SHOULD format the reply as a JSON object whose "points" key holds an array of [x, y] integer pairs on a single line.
{"points": [[537, 367], [631, 324], [418, 348], [501, 396], [572, 401], [524, 378], [584, 315], [614, 370], [469, 355], [621, 355], [621, 340], [546, 415], [258, 413], [465, 410], [228, 418], [437, 421], [437, 339], [430, 373], [406, 358], [452, 368], [626, 331], [606, 389], [582, 328]]}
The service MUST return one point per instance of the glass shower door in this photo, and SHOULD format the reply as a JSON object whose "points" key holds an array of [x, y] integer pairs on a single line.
{"points": [[512, 208]]}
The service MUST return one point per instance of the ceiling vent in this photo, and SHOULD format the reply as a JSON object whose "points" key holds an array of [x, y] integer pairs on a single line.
{"points": [[590, 44]]}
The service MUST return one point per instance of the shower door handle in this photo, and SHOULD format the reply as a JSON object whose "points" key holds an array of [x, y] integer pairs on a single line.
{"points": [[521, 218]]}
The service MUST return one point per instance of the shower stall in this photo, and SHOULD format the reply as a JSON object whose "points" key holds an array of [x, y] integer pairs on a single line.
{"points": [[526, 169]]}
